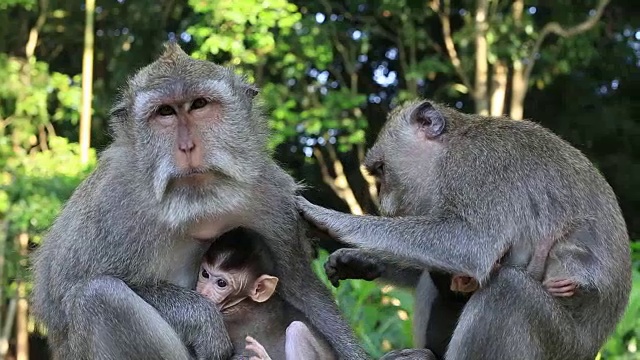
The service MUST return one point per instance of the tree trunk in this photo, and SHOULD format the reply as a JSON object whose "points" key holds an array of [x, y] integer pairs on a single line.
{"points": [[22, 314], [87, 82], [339, 182], [482, 64], [7, 326], [518, 91], [498, 89]]}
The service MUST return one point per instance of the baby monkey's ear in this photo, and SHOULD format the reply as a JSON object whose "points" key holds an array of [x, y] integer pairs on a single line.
{"points": [[263, 288]]}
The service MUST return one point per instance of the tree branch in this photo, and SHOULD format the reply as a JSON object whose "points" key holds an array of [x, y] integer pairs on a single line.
{"points": [[30, 48], [448, 41], [342, 182], [371, 181], [324, 171], [557, 29]]}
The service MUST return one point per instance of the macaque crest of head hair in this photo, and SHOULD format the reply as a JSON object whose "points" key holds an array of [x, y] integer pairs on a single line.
{"points": [[194, 132], [236, 250]]}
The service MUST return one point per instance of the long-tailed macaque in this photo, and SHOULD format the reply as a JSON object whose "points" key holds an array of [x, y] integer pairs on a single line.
{"points": [[460, 193], [235, 279], [115, 276]]}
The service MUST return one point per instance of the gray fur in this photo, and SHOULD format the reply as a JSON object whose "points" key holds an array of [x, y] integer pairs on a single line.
{"points": [[127, 227], [489, 189]]}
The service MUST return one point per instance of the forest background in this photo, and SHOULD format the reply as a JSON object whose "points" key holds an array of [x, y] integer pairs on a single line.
{"points": [[329, 72]]}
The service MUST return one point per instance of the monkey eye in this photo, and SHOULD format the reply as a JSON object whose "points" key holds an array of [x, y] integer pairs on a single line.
{"points": [[221, 283], [166, 110], [198, 103], [378, 169], [205, 274]]}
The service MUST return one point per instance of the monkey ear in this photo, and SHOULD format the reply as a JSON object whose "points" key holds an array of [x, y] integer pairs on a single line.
{"points": [[172, 51], [429, 120], [263, 288], [251, 91]]}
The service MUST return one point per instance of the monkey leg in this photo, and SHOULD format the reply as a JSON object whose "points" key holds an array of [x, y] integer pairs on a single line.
{"points": [[301, 343], [111, 321], [513, 317]]}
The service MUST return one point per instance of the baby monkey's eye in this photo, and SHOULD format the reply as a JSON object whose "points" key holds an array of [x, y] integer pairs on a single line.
{"points": [[166, 110], [198, 103], [221, 283], [205, 274]]}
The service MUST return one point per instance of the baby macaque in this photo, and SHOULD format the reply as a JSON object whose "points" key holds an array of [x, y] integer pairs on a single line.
{"points": [[233, 276]]}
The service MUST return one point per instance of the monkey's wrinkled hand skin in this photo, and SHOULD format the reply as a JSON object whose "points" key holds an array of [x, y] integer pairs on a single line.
{"points": [[346, 264], [409, 354], [320, 217]]}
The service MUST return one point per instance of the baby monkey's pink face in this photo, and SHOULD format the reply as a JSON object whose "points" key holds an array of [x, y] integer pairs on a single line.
{"points": [[227, 288]]}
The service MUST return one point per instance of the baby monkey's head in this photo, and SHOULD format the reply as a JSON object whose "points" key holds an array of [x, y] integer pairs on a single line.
{"points": [[232, 271]]}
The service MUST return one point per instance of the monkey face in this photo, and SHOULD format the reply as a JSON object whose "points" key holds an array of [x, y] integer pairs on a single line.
{"points": [[194, 133], [405, 154], [220, 287], [227, 288]]}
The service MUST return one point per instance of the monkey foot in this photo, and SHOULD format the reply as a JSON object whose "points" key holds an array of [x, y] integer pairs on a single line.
{"points": [[560, 287], [410, 354], [463, 284]]}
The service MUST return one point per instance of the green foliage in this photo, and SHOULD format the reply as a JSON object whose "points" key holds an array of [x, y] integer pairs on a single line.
{"points": [[33, 189], [379, 315], [623, 344], [6, 4], [242, 29]]}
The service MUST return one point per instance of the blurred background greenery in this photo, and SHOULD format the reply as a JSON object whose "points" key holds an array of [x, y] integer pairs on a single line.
{"points": [[329, 71]]}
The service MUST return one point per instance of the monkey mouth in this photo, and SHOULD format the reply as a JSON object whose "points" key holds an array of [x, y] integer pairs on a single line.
{"points": [[194, 176], [195, 172]]}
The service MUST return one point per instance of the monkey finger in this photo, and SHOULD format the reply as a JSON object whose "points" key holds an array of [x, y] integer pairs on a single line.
{"points": [[564, 291], [561, 282]]}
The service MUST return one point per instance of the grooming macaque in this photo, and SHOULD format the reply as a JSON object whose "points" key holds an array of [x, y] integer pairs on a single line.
{"points": [[115, 276], [233, 277], [460, 193]]}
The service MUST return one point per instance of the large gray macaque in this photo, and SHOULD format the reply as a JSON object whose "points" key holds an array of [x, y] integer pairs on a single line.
{"points": [[115, 276], [461, 193]]}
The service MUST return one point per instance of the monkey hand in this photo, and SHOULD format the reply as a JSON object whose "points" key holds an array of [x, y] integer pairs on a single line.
{"points": [[325, 220], [410, 354], [257, 348], [346, 263]]}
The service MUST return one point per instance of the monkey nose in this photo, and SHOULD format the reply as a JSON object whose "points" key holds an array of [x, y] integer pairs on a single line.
{"points": [[186, 146]]}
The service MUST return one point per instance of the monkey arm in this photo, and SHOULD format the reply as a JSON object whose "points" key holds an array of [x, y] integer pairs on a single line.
{"points": [[445, 243]]}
